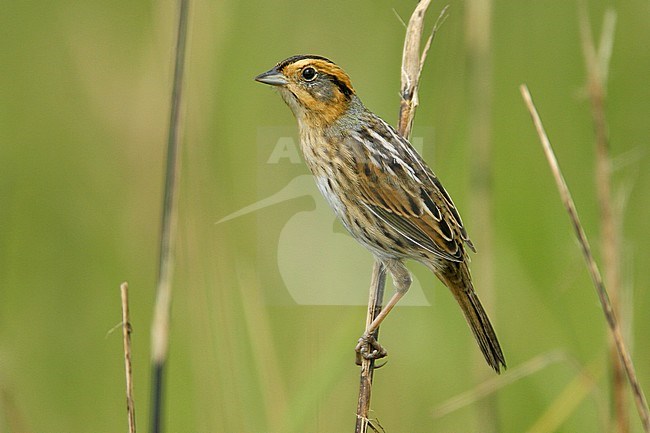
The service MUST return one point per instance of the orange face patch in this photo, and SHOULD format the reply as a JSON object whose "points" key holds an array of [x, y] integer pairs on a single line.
{"points": [[324, 93], [294, 69]]}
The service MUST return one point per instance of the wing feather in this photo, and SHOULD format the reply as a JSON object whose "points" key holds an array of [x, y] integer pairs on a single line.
{"points": [[397, 186]]}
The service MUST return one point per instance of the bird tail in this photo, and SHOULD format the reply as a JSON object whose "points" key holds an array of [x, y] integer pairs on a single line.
{"points": [[456, 276]]}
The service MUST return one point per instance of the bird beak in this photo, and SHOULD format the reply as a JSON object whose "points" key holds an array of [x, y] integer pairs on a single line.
{"points": [[272, 77]]}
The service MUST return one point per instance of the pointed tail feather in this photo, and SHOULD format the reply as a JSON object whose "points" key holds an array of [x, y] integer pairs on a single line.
{"points": [[456, 276]]}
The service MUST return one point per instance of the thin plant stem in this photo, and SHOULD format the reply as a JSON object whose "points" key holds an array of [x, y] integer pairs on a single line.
{"points": [[610, 316], [162, 308], [597, 63], [376, 294], [412, 63], [128, 371]]}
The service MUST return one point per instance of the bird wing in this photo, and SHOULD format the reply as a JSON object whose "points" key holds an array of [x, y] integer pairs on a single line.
{"points": [[397, 186]]}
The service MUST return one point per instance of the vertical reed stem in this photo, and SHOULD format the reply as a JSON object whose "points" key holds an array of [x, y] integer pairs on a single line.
{"points": [[162, 308], [412, 63]]}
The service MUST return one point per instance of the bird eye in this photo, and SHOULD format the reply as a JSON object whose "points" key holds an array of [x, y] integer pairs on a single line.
{"points": [[309, 73]]}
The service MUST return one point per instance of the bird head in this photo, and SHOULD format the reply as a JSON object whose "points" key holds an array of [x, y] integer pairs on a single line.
{"points": [[315, 88]]}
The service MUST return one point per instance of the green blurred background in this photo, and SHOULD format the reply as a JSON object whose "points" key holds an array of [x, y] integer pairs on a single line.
{"points": [[84, 101]]}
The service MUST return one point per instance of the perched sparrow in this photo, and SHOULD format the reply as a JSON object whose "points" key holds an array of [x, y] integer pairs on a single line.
{"points": [[381, 189]]}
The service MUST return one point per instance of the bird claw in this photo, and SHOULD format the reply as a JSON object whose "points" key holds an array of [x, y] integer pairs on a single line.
{"points": [[369, 348]]}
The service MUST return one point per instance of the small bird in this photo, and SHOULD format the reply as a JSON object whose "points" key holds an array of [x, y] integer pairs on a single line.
{"points": [[381, 189]]}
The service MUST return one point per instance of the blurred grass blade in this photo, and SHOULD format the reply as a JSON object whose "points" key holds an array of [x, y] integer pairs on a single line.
{"points": [[566, 403], [612, 322], [478, 32], [162, 309], [493, 384], [14, 419], [597, 66]]}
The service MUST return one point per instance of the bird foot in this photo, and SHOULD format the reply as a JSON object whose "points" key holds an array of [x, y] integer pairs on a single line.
{"points": [[369, 348]]}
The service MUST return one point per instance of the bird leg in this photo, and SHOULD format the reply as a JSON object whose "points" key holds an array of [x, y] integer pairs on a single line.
{"points": [[368, 347]]}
